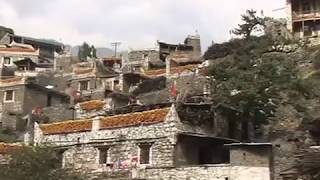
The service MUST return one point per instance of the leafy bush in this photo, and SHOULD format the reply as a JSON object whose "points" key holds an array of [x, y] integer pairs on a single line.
{"points": [[36, 163]]}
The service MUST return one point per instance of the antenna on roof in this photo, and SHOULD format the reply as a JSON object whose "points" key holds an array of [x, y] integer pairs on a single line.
{"points": [[115, 44]]}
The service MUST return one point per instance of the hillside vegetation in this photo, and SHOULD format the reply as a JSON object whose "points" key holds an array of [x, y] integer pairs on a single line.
{"points": [[275, 89]]}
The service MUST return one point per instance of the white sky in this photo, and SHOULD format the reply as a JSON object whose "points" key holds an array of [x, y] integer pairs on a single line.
{"points": [[136, 23]]}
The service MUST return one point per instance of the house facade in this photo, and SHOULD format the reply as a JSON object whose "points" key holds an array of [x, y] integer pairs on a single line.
{"points": [[154, 58], [19, 96], [303, 18], [154, 144], [91, 80]]}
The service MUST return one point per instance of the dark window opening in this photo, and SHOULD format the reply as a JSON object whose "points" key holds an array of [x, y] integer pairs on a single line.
{"points": [[9, 95], [145, 153], [192, 150], [59, 157], [306, 7], [49, 100], [103, 155], [7, 60], [84, 85], [232, 128], [245, 131], [307, 31]]}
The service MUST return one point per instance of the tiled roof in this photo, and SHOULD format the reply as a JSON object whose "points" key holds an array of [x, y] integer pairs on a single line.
{"points": [[12, 79], [92, 105], [173, 70], [17, 50], [83, 70], [117, 121], [6, 148], [134, 119], [65, 127]]}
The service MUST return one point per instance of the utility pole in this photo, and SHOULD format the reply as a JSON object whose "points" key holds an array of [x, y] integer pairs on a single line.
{"points": [[115, 44]]}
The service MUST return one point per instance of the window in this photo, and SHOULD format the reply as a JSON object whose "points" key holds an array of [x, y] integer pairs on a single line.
{"points": [[9, 96], [49, 100], [116, 85], [7, 60], [108, 85], [306, 6], [103, 155], [59, 157], [84, 85], [144, 153]]}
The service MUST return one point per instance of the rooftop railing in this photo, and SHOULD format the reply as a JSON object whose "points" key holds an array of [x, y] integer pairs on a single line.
{"points": [[305, 15]]}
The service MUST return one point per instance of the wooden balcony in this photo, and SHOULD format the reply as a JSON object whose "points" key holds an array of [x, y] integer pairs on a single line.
{"points": [[298, 16]]}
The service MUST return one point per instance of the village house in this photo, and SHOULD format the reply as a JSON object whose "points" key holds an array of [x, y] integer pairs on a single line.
{"points": [[156, 143], [48, 49], [304, 18], [92, 80], [18, 58], [19, 96], [155, 58]]}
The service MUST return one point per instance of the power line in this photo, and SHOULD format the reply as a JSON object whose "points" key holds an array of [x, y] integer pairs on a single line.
{"points": [[279, 9], [116, 45]]}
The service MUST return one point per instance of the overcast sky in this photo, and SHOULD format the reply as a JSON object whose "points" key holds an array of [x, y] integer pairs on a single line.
{"points": [[136, 23]]}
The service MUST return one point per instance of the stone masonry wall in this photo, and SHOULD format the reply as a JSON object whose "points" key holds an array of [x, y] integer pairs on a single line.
{"points": [[138, 56], [217, 172], [87, 156], [59, 112]]}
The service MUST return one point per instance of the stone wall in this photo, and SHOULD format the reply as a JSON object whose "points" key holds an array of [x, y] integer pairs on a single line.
{"points": [[143, 57], [35, 98], [87, 156], [59, 112], [96, 89], [214, 172], [186, 84], [11, 109], [17, 105]]}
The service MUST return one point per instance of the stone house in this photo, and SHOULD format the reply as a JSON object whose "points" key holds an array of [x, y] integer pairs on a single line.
{"points": [[48, 49], [303, 19], [92, 80], [112, 63], [154, 144], [155, 58], [19, 96], [20, 59]]}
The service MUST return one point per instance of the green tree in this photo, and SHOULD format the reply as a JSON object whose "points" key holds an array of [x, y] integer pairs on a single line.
{"points": [[253, 85], [251, 23], [93, 52], [86, 51], [36, 163]]}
